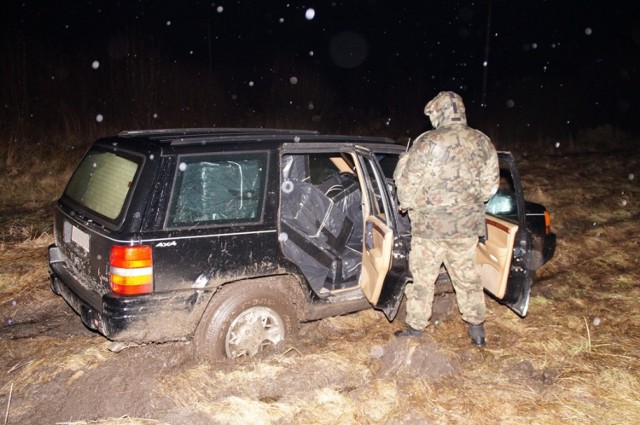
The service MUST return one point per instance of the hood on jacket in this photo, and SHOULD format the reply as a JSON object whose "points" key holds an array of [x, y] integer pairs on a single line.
{"points": [[445, 109]]}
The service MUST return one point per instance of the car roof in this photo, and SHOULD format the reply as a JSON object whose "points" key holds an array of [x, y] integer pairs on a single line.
{"points": [[202, 136], [292, 139]]}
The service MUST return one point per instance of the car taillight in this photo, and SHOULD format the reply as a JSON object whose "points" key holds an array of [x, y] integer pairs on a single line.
{"points": [[131, 270], [547, 222]]}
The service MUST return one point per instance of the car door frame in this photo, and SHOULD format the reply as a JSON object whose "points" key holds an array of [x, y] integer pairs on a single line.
{"points": [[388, 293]]}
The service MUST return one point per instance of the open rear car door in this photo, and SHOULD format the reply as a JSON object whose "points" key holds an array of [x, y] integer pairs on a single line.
{"points": [[501, 256], [376, 257], [382, 288]]}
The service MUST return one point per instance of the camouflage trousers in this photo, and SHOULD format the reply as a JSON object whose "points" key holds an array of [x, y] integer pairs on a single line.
{"points": [[459, 257]]}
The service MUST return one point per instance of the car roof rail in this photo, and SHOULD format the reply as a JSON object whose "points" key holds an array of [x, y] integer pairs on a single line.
{"points": [[192, 136], [214, 131]]}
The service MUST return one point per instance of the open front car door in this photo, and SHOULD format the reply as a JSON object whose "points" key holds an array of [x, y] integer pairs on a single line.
{"points": [[502, 255]]}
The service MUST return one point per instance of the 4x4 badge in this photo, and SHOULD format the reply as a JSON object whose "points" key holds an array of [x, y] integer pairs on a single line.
{"points": [[166, 244]]}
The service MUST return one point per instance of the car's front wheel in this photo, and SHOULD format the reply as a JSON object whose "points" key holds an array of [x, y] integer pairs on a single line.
{"points": [[244, 319]]}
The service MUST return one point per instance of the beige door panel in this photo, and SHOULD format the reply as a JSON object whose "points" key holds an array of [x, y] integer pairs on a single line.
{"points": [[376, 257], [377, 245], [494, 256]]}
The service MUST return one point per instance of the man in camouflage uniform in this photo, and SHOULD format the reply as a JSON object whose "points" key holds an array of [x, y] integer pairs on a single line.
{"points": [[443, 182]]}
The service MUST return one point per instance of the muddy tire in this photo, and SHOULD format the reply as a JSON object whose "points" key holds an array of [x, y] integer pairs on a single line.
{"points": [[245, 319]]}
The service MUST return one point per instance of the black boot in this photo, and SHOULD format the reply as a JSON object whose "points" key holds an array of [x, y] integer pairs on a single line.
{"points": [[476, 332], [409, 332]]}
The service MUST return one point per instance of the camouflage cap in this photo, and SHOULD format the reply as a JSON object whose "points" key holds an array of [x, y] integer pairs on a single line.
{"points": [[446, 108]]}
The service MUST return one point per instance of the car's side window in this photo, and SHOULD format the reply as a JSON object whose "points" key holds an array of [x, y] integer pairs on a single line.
{"points": [[376, 201], [321, 168], [388, 163], [216, 189], [325, 166], [504, 204]]}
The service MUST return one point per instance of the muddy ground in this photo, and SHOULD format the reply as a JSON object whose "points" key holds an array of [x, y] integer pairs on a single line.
{"points": [[574, 359]]}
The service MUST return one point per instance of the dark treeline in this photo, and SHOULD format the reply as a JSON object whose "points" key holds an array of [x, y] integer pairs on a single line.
{"points": [[56, 99]]}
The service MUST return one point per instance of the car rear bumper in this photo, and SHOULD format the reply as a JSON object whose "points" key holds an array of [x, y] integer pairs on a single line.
{"points": [[154, 317]]}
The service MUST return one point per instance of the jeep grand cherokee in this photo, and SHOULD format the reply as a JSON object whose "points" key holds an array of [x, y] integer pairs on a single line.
{"points": [[232, 237]]}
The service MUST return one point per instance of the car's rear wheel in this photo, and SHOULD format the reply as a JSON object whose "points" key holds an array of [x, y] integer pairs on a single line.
{"points": [[245, 319]]}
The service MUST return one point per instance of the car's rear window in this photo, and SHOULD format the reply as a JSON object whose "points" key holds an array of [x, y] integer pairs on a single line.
{"points": [[102, 182]]}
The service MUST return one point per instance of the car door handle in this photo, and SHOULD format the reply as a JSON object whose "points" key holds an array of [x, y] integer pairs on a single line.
{"points": [[368, 236]]}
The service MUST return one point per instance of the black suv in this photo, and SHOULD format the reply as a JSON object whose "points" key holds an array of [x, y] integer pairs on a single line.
{"points": [[234, 236]]}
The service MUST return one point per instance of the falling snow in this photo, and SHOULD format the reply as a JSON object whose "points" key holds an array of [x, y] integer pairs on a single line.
{"points": [[425, 59], [310, 14]]}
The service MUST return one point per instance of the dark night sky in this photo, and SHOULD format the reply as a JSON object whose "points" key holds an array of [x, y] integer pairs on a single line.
{"points": [[579, 59]]}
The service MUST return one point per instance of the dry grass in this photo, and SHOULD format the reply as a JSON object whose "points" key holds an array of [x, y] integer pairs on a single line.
{"points": [[574, 359], [124, 420]]}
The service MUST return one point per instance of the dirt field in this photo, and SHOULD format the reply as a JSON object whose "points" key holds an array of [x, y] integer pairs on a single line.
{"points": [[574, 359]]}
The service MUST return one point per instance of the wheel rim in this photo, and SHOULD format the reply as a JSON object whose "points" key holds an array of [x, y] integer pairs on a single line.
{"points": [[252, 331]]}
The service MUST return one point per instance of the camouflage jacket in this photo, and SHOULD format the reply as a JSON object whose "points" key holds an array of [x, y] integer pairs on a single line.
{"points": [[445, 179]]}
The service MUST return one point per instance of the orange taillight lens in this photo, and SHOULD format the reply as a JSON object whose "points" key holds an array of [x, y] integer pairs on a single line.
{"points": [[131, 269], [547, 222]]}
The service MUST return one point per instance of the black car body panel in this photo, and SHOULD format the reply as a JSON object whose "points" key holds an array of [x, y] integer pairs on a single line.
{"points": [[543, 240]]}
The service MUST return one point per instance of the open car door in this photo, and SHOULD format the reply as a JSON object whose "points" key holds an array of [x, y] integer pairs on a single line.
{"points": [[376, 257], [382, 289], [500, 256], [494, 255]]}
